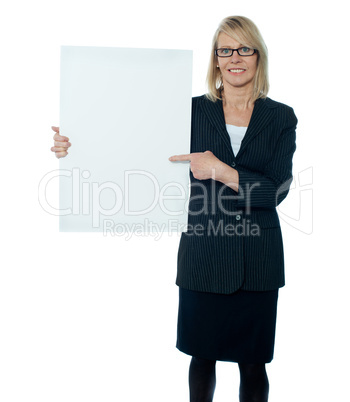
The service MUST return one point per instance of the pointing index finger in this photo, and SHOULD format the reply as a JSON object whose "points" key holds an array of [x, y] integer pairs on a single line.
{"points": [[185, 157]]}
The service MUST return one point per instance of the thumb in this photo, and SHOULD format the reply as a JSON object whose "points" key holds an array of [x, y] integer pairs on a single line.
{"points": [[57, 131]]}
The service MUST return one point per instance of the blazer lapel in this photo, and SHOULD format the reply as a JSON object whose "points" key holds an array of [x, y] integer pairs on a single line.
{"points": [[262, 114], [215, 114]]}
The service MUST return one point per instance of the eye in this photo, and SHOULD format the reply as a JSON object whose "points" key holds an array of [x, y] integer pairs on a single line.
{"points": [[245, 49], [225, 51]]}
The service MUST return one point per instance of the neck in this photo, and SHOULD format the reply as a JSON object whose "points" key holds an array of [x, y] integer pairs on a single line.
{"points": [[237, 98]]}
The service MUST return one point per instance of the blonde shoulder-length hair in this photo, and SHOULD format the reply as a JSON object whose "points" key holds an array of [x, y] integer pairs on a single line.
{"points": [[243, 30]]}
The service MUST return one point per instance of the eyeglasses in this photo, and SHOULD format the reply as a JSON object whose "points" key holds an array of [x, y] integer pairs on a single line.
{"points": [[242, 51]]}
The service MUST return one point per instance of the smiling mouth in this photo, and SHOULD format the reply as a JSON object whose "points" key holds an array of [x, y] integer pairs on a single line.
{"points": [[236, 70]]}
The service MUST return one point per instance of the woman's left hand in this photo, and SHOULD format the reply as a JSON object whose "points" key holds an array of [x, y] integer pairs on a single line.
{"points": [[204, 165]]}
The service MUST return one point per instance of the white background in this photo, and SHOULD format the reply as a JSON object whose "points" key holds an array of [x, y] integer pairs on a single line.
{"points": [[91, 318]]}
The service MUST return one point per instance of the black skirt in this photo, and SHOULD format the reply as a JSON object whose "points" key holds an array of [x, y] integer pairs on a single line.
{"points": [[238, 327]]}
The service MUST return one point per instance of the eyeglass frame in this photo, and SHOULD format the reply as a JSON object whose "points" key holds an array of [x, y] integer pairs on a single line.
{"points": [[233, 50]]}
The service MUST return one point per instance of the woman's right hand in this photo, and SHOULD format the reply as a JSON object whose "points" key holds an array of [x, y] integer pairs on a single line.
{"points": [[61, 143]]}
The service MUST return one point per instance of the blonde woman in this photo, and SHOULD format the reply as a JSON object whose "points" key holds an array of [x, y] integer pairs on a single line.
{"points": [[230, 262]]}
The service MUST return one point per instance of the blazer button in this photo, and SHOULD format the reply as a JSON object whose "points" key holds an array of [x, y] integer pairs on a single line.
{"points": [[233, 164], [238, 217]]}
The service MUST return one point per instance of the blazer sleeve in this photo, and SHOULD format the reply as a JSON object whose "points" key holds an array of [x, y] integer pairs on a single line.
{"points": [[269, 188]]}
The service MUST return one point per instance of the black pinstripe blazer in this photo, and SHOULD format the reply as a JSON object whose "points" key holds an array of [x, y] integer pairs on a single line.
{"points": [[234, 239]]}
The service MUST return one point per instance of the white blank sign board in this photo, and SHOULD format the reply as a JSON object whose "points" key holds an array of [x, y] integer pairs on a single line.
{"points": [[125, 111]]}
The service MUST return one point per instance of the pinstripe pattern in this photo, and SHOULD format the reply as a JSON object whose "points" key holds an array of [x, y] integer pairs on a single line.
{"points": [[234, 239]]}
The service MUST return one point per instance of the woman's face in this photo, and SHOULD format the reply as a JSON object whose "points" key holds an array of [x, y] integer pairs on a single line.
{"points": [[237, 71]]}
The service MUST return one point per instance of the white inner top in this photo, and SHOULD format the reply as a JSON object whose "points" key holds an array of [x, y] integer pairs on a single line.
{"points": [[236, 134]]}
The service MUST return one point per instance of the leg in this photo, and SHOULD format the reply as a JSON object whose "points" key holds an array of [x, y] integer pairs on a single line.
{"points": [[202, 380], [254, 385]]}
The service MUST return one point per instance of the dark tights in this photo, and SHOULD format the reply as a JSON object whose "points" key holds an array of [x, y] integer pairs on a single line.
{"points": [[254, 386]]}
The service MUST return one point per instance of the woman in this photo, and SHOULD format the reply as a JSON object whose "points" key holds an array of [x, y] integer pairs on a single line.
{"points": [[230, 261]]}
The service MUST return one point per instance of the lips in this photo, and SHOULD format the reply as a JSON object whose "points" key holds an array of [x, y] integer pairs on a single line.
{"points": [[236, 70]]}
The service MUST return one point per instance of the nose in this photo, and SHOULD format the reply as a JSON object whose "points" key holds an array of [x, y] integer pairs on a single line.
{"points": [[235, 56]]}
